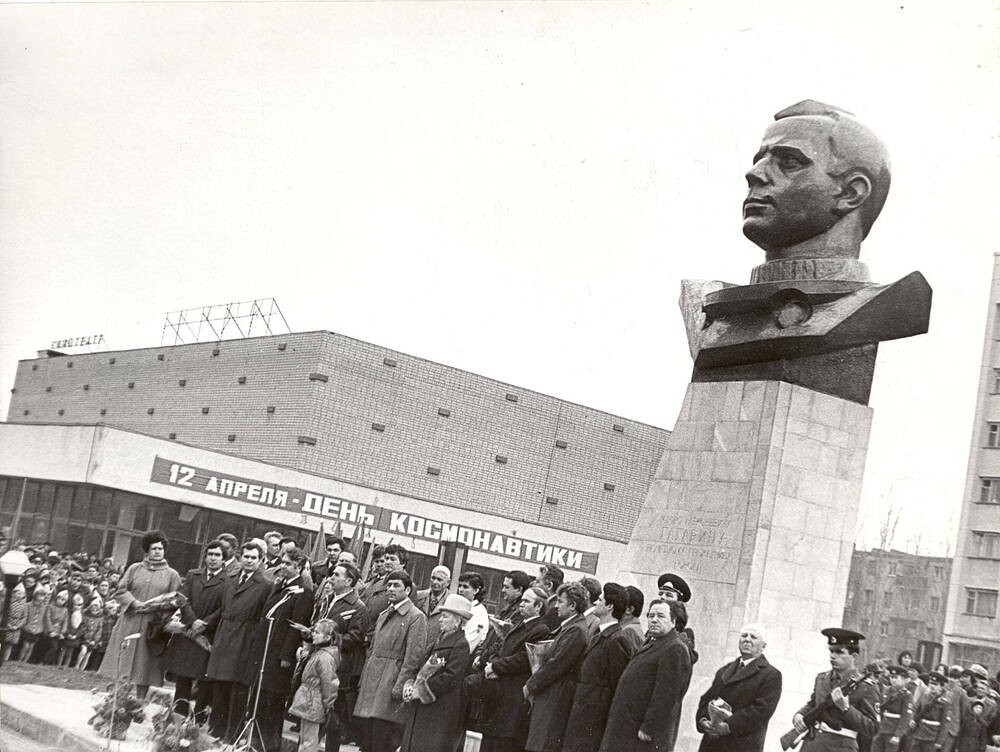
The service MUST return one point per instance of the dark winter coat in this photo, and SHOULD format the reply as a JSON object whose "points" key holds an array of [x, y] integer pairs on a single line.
{"points": [[286, 602], [552, 686], [508, 716], [351, 617], [605, 658], [242, 608], [438, 727], [752, 691], [184, 657], [649, 689]]}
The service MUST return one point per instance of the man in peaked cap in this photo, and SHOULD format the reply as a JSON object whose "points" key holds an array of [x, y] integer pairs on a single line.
{"points": [[673, 587], [849, 714]]}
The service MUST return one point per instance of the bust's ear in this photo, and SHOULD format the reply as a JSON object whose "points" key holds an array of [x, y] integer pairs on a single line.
{"points": [[855, 190]]}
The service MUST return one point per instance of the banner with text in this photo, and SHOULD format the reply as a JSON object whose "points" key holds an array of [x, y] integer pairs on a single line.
{"points": [[321, 506]]}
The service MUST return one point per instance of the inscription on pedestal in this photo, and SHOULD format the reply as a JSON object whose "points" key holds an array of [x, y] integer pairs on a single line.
{"points": [[700, 544]]}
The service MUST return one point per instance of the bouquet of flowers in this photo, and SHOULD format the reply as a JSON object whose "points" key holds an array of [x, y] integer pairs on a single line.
{"points": [[174, 733], [126, 706], [719, 711], [176, 626], [417, 689], [537, 652], [502, 627]]}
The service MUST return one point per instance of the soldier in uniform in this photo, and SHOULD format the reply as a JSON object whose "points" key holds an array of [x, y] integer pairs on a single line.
{"points": [[847, 716], [931, 718], [897, 710]]}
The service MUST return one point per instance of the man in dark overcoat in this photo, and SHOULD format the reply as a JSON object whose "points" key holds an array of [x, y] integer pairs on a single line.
{"points": [[290, 600], [751, 687], [242, 607], [505, 720], [550, 689], [651, 686], [606, 656], [185, 658]]}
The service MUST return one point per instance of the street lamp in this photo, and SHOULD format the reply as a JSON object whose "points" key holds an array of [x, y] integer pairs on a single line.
{"points": [[13, 564]]}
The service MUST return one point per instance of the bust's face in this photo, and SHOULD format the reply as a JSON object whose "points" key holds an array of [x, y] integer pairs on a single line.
{"points": [[790, 196]]}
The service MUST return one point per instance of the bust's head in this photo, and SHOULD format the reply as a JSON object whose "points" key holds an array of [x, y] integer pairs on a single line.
{"points": [[817, 170]]}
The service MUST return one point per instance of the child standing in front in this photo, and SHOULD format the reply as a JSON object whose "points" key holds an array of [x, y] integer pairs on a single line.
{"points": [[32, 628], [316, 694]]}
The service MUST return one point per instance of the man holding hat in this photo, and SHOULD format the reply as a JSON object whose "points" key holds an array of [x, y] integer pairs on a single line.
{"points": [[932, 716], [851, 715]]}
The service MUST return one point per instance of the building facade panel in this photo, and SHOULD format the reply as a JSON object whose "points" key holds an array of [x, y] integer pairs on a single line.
{"points": [[335, 406], [972, 630]]}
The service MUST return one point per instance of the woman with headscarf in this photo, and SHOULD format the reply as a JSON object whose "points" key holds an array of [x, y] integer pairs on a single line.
{"points": [[139, 594], [433, 701]]}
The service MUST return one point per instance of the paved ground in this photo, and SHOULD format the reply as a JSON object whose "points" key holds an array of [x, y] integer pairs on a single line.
{"points": [[14, 742]]}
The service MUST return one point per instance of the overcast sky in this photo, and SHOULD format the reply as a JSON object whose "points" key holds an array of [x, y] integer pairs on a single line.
{"points": [[515, 189]]}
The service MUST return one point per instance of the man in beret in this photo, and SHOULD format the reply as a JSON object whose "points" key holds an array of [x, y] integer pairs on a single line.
{"points": [[849, 714]]}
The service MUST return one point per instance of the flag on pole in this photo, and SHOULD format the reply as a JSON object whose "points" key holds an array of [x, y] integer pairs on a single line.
{"points": [[357, 544], [319, 547]]}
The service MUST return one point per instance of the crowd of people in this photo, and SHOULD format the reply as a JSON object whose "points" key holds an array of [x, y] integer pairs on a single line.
{"points": [[62, 611], [260, 634]]}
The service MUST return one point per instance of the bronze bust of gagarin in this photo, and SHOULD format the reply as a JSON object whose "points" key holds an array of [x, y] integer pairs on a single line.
{"points": [[810, 314]]}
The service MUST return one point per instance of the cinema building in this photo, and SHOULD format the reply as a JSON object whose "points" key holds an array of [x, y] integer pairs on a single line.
{"points": [[292, 431]]}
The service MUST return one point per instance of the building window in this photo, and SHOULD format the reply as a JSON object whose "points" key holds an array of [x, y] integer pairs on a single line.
{"points": [[560, 444], [182, 382], [989, 491], [935, 604], [870, 565], [551, 500], [378, 427], [307, 440], [915, 599], [938, 572], [270, 409], [433, 471], [501, 459], [444, 412], [389, 362], [996, 381], [319, 377], [887, 598], [980, 602], [892, 568], [993, 435], [609, 486], [231, 437], [241, 380], [869, 597], [985, 545], [160, 356], [617, 428], [883, 629], [204, 411], [512, 398], [281, 347]]}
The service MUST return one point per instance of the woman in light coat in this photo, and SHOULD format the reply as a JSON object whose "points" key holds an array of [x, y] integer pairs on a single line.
{"points": [[142, 582]]}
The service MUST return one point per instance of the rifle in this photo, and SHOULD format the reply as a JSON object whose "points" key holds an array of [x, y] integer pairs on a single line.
{"points": [[793, 737]]}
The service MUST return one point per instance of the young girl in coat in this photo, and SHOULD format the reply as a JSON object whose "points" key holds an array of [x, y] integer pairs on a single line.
{"points": [[16, 619], [316, 694], [93, 621], [54, 627], [73, 636], [32, 628]]}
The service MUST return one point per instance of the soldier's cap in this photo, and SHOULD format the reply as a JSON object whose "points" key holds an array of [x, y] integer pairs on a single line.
{"points": [[975, 701], [896, 670], [978, 671], [838, 637], [937, 678], [676, 583]]}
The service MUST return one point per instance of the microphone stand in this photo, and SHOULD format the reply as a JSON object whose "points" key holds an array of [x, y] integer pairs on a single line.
{"points": [[252, 725], [114, 689]]}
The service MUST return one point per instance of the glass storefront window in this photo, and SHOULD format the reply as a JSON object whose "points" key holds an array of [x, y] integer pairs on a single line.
{"points": [[100, 503], [30, 503], [81, 505], [46, 498], [64, 501]]}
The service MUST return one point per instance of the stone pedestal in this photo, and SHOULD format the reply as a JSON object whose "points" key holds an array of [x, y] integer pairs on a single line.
{"points": [[755, 504]]}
